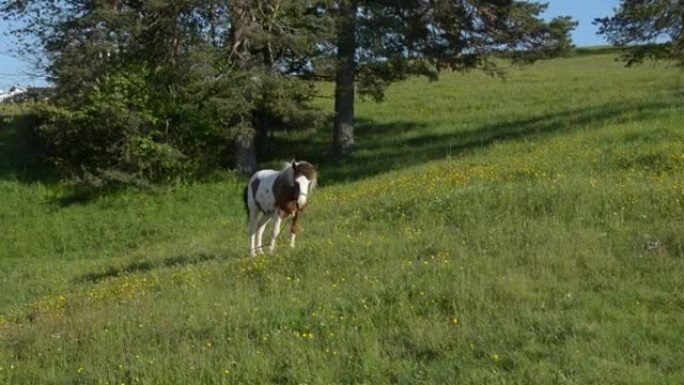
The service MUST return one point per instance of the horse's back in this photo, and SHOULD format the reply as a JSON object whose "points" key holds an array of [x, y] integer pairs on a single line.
{"points": [[264, 177], [263, 174]]}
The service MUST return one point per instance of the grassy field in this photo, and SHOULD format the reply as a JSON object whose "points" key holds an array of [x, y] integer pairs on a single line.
{"points": [[528, 230]]}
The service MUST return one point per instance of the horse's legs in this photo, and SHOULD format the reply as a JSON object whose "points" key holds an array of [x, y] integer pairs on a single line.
{"points": [[253, 226], [277, 220], [260, 232], [294, 228]]}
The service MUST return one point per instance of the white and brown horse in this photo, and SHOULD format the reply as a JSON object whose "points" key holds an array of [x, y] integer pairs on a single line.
{"points": [[277, 195]]}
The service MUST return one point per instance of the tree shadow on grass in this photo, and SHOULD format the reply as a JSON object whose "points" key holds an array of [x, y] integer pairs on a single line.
{"points": [[22, 159], [145, 266], [382, 147], [20, 151]]}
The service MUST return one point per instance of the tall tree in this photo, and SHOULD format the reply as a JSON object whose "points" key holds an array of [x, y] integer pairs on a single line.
{"points": [[275, 41], [646, 29], [382, 41], [345, 73]]}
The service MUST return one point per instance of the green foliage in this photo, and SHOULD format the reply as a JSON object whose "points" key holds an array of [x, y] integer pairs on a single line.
{"points": [[397, 39], [155, 91], [466, 241], [201, 74], [649, 29], [111, 135]]}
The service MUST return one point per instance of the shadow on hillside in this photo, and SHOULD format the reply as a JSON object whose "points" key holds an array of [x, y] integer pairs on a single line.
{"points": [[396, 145], [380, 147], [20, 151], [145, 266]]}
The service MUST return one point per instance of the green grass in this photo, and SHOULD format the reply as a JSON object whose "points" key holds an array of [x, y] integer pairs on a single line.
{"points": [[517, 231]]}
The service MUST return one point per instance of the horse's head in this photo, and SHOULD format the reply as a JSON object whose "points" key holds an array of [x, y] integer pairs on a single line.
{"points": [[305, 178]]}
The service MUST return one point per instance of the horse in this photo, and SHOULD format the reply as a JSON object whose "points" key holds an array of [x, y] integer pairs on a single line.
{"points": [[277, 195]]}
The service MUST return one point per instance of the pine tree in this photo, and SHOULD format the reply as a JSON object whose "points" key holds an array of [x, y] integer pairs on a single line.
{"points": [[382, 41], [646, 29]]}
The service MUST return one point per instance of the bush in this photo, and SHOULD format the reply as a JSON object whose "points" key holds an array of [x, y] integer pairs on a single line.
{"points": [[119, 133]]}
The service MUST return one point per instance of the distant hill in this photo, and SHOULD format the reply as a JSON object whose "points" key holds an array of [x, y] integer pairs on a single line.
{"points": [[596, 50]]}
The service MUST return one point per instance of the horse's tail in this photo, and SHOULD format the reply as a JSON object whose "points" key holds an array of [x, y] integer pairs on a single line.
{"points": [[244, 198]]}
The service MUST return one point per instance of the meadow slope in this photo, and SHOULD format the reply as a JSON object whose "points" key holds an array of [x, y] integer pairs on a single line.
{"points": [[528, 230]]}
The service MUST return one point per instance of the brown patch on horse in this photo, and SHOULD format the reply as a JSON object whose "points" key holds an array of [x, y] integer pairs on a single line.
{"points": [[295, 223], [284, 194], [287, 209]]}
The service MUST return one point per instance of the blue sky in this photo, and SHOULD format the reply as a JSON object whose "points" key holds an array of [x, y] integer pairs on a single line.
{"points": [[584, 11], [13, 71]]}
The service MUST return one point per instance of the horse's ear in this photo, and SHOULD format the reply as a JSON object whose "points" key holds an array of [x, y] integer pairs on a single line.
{"points": [[294, 164]]}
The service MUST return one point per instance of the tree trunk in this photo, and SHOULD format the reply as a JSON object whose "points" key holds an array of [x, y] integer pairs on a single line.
{"points": [[262, 124], [245, 154], [244, 143], [343, 129]]}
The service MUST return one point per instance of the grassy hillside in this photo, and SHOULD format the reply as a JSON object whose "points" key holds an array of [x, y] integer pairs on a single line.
{"points": [[524, 230]]}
